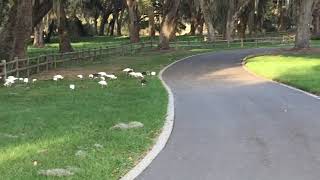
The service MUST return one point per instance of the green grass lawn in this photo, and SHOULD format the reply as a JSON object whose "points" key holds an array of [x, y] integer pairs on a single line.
{"points": [[48, 123], [301, 71]]}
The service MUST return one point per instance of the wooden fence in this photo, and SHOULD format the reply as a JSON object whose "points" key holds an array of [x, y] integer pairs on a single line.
{"points": [[35, 65]]}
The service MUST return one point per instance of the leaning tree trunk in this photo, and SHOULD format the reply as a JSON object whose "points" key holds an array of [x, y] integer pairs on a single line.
{"points": [[303, 23], [38, 40], [134, 21], [64, 38], [152, 27], [169, 23], [208, 19]]}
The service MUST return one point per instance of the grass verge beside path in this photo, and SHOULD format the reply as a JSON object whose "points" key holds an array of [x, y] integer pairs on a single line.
{"points": [[299, 70], [51, 125]]}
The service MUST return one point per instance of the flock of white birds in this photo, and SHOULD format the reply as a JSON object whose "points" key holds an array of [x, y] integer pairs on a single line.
{"points": [[101, 76]]}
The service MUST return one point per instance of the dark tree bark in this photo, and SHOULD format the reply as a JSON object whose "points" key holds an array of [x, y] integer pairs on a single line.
{"points": [[113, 22], [134, 21], [152, 27], [38, 40], [95, 20], [316, 25], [119, 23], [51, 29], [230, 20], [208, 19], [16, 34], [193, 18], [316, 19], [40, 9], [283, 23], [104, 21], [169, 23], [106, 12], [304, 20], [200, 22], [64, 38]]}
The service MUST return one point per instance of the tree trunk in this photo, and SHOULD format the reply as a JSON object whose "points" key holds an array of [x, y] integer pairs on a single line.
{"points": [[316, 19], [242, 27], [23, 28], [230, 21], [16, 33], [103, 24], [6, 34], [252, 23], [64, 38], [208, 19], [316, 25], [96, 24], [38, 40], [152, 27], [193, 18], [51, 29], [200, 22], [134, 21], [119, 23], [282, 18], [169, 23], [304, 20]]}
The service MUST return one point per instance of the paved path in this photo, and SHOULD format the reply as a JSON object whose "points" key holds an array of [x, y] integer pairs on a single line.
{"points": [[231, 125]]}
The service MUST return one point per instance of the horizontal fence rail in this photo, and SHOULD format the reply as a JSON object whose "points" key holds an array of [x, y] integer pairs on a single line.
{"points": [[34, 65]]}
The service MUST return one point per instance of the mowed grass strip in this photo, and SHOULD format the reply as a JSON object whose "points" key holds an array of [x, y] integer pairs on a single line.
{"points": [[299, 70], [48, 123]]}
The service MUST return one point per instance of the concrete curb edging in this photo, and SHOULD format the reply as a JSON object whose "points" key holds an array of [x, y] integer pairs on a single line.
{"points": [[244, 61], [166, 130]]}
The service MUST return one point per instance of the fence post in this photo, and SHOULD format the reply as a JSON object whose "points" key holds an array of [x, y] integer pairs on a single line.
{"points": [[54, 61], [242, 43], [47, 63], [28, 70], [228, 42], [4, 63], [17, 66], [38, 66], [256, 42], [95, 54]]}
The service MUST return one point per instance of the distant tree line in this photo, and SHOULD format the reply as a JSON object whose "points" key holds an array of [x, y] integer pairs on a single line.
{"points": [[44, 19]]}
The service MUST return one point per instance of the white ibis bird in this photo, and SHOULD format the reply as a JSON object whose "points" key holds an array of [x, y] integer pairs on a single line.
{"points": [[127, 70], [72, 86], [103, 83]]}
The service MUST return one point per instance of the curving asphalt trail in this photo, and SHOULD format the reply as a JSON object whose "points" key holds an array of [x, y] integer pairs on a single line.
{"points": [[231, 125]]}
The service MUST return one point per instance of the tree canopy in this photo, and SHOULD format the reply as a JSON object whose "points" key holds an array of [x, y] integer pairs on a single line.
{"points": [[40, 20]]}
